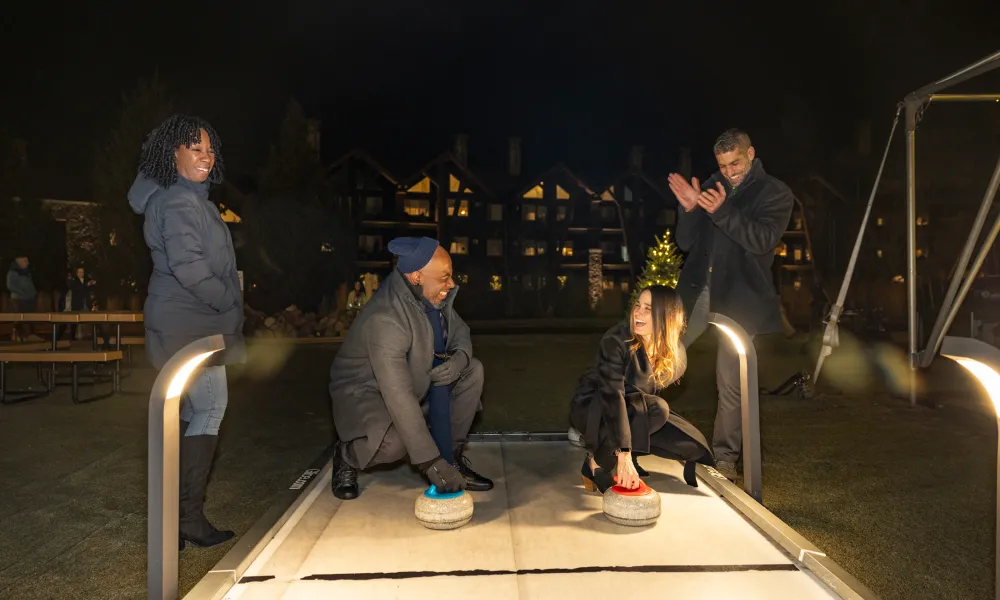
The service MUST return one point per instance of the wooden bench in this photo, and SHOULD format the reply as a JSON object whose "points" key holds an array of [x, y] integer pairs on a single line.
{"points": [[73, 359], [33, 346]]}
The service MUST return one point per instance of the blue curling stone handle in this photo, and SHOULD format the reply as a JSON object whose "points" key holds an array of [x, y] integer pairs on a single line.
{"points": [[433, 493]]}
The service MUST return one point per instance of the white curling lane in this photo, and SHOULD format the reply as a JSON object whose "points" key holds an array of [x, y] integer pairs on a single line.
{"points": [[536, 535]]}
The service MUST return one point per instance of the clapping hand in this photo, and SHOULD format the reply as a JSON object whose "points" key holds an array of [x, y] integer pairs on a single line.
{"points": [[711, 200], [687, 193]]}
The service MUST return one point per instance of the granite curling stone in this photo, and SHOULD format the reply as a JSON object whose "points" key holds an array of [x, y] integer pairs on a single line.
{"points": [[633, 508], [436, 510]]}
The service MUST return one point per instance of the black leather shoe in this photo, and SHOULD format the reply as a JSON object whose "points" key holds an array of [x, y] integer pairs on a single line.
{"points": [[196, 454], [598, 480], [474, 482], [345, 477]]}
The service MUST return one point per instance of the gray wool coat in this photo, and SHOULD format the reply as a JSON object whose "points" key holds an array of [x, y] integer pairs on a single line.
{"points": [[381, 374], [194, 290]]}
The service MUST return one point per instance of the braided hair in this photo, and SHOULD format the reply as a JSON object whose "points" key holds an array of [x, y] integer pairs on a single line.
{"points": [[157, 161]]}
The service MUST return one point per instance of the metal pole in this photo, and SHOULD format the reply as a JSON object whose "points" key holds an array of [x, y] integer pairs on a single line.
{"points": [[912, 105], [980, 66], [974, 270], [163, 471], [964, 98], [949, 308], [831, 338], [749, 402]]}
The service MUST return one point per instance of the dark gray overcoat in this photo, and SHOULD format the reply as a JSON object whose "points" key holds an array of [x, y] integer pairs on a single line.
{"points": [[382, 371]]}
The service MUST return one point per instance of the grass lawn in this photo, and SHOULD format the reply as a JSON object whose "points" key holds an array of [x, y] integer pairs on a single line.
{"points": [[902, 498]]}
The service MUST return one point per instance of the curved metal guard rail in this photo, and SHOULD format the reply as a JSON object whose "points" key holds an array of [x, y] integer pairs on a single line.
{"points": [[983, 361], [749, 401], [164, 442]]}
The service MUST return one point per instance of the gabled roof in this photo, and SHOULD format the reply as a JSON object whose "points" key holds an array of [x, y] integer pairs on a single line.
{"points": [[366, 158], [447, 157], [559, 167], [642, 176]]}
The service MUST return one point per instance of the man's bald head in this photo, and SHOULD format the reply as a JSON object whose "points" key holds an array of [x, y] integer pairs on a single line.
{"points": [[435, 278]]}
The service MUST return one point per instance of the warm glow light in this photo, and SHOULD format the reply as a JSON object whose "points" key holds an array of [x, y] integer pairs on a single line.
{"points": [[735, 339], [986, 376], [180, 378]]}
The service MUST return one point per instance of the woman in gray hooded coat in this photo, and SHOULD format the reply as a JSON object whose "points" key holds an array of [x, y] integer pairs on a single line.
{"points": [[194, 292]]}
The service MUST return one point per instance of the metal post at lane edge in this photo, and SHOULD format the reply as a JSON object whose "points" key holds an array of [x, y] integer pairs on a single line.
{"points": [[749, 401], [982, 360], [163, 470]]}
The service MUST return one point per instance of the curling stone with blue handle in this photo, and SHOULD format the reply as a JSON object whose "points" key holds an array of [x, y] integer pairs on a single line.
{"points": [[634, 508], [437, 510]]}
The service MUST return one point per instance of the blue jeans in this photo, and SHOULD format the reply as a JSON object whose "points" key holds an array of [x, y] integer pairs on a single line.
{"points": [[205, 401]]}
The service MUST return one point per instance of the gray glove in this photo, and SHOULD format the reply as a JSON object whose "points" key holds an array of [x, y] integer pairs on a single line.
{"points": [[444, 477], [449, 371]]}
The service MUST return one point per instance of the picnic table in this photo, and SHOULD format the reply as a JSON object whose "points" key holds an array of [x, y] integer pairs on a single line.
{"points": [[61, 319]]}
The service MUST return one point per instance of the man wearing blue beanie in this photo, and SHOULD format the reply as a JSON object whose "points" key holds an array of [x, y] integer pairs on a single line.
{"points": [[405, 383]]}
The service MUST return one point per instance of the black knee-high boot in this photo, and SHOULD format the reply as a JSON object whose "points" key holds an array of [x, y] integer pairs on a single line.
{"points": [[197, 452]]}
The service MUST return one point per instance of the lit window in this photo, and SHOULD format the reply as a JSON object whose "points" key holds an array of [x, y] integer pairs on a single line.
{"points": [[625, 255], [529, 248], [624, 286], [535, 193], [898, 279], [922, 221], [879, 221], [797, 284], [561, 194], [608, 283], [496, 284], [326, 247], [607, 195], [494, 247], [562, 281], [540, 248], [529, 212], [416, 207], [560, 213], [798, 223], [459, 245], [421, 187], [451, 207], [463, 208], [808, 254], [462, 279], [920, 253], [878, 253], [113, 238], [797, 255], [496, 212], [567, 248], [453, 183], [781, 250]]}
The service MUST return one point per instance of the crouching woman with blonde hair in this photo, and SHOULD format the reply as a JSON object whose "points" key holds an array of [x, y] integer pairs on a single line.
{"points": [[615, 406]]}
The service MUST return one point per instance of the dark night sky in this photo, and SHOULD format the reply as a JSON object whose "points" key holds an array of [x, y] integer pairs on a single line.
{"points": [[580, 81]]}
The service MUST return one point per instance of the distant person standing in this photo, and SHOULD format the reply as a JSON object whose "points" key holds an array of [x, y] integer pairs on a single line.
{"points": [[730, 227], [194, 292], [21, 286]]}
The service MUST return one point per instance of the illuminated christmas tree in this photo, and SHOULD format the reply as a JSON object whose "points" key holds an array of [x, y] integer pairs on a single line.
{"points": [[663, 265]]}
